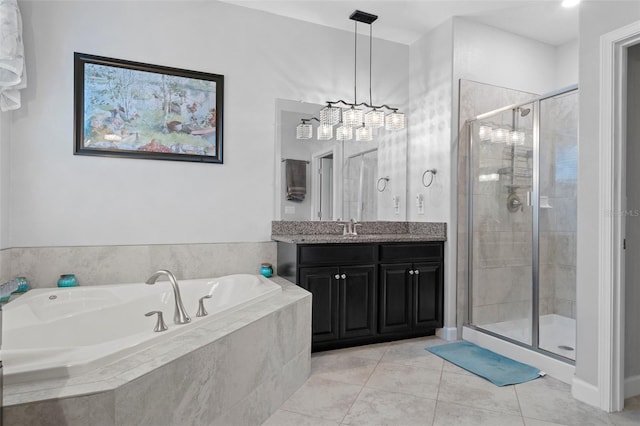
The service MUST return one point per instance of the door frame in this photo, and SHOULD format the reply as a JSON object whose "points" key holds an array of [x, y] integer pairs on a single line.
{"points": [[612, 146], [336, 152]]}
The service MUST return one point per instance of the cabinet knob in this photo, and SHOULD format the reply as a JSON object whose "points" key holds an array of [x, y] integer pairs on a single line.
{"points": [[417, 271], [410, 272], [336, 276], [343, 276]]}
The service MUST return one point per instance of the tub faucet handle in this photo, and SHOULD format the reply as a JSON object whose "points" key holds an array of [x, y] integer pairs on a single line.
{"points": [[160, 325], [202, 312]]}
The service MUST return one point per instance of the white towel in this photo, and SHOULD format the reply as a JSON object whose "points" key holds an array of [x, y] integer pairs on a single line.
{"points": [[12, 72]]}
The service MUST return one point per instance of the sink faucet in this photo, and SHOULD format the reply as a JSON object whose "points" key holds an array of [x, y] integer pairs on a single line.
{"points": [[349, 228], [180, 316]]}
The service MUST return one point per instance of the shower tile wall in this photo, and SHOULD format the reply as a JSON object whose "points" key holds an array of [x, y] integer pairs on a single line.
{"points": [[503, 295], [558, 173]]}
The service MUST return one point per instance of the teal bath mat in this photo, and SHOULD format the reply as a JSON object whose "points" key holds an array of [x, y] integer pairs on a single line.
{"points": [[496, 368]]}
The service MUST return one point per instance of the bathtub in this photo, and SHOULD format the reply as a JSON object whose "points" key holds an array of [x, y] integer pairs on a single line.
{"points": [[65, 332]]}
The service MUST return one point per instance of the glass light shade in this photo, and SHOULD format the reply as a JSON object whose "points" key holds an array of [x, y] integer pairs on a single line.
{"points": [[395, 121], [374, 119], [364, 134], [329, 115], [516, 137], [344, 133], [499, 135], [484, 133], [325, 132], [352, 117], [304, 131]]}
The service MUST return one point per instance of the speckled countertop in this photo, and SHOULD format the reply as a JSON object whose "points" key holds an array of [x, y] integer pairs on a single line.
{"points": [[310, 232]]}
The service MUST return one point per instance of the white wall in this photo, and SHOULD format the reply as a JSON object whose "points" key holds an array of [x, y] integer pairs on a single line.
{"points": [[429, 127], [493, 56], [5, 127], [567, 64], [59, 199], [596, 18]]}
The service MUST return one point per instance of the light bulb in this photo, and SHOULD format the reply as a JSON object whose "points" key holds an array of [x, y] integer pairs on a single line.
{"points": [[325, 132], [363, 134], [352, 117], [329, 115], [484, 133], [395, 121], [570, 3], [344, 133], [516, 138], [304, 131], [374, 119], [499, 135]]}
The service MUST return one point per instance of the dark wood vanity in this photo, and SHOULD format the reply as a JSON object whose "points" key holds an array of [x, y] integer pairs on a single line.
{"points": [[368, 292]]}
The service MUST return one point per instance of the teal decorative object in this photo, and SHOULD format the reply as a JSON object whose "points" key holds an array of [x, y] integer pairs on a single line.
{"points": [[23, 285], [67, 280], [266, 270]]}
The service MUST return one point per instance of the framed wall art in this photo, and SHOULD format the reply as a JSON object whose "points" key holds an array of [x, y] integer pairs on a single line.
{"points": [[136, 110]]}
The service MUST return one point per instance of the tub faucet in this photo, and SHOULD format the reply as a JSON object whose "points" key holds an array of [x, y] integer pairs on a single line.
{"points": [[180, 316]]}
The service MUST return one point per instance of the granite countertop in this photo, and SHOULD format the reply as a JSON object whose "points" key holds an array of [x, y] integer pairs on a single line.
{"points": [[364, 238], [311, 232]]}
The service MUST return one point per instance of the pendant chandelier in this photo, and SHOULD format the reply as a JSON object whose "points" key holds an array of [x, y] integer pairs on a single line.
{"points": [[350, 117]]}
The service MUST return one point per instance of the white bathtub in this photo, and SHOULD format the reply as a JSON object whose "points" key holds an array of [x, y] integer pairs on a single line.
{"points": [[83, 328]]}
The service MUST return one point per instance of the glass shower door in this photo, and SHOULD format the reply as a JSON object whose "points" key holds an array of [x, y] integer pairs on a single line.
{"points": [[361, 201], [501, 223], [558, 218]]}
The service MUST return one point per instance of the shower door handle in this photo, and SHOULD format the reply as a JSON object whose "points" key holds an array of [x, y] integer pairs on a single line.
{"points": [[529, 198]]}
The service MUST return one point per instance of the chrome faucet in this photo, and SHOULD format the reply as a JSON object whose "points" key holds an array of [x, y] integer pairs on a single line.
{"points": [[180, 316], [349, 228]]}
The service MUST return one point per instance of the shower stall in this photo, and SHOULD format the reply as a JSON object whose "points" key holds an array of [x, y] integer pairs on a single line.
{"points": [[522, 182], [360, 196]]}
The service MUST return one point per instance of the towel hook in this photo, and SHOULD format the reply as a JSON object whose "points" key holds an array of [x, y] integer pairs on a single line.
{"points": [[384, 181], [433, 173]]}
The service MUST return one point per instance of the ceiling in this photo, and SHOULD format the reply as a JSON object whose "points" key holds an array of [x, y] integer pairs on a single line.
{"points": [[405, 21]]}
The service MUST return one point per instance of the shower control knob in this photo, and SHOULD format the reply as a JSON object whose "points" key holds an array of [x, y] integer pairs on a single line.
{"points": [[336, 276], [410, 272], [343, 276], [417, 272]]}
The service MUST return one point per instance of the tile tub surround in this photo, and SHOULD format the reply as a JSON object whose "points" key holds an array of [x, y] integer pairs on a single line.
{"points": [[236, 371], [95, 265], [331, 232]]}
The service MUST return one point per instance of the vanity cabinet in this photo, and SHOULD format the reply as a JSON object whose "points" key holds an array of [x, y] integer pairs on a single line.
{"points": [[410, 296], [343, 303], [367, 293]]}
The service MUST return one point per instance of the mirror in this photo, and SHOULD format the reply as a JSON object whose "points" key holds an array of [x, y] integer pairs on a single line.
{"points": [[331, 180]]}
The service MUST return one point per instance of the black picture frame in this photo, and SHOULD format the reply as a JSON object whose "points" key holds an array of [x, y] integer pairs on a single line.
{"points": [[136, 110]]}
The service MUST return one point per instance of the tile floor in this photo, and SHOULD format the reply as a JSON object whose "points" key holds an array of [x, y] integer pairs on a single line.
{"points": [[401, 384]]}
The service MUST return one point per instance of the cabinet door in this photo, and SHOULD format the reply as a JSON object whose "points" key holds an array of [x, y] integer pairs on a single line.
{"points": [[323, 286], [395, 297], [357, 301], [428, 297]]}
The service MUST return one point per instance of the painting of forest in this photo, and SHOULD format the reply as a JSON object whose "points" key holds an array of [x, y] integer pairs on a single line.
{"points": [[147, 113]]}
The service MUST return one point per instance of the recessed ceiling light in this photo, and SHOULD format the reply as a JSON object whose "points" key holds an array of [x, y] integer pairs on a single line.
{"points": [[570, 3]]}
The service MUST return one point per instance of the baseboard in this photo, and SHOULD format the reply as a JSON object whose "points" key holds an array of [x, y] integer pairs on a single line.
{"points": [[585, 392], [447, 333], [631, 386]]}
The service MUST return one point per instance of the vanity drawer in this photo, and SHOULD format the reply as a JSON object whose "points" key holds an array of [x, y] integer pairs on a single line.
{"points": [[336, 254], [403, 252]]}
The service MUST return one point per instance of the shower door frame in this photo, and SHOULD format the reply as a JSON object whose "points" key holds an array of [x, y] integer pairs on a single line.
{"points": [[535, 203]]}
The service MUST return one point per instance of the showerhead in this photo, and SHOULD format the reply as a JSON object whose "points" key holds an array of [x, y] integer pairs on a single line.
{"points": [[524, 111]]}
